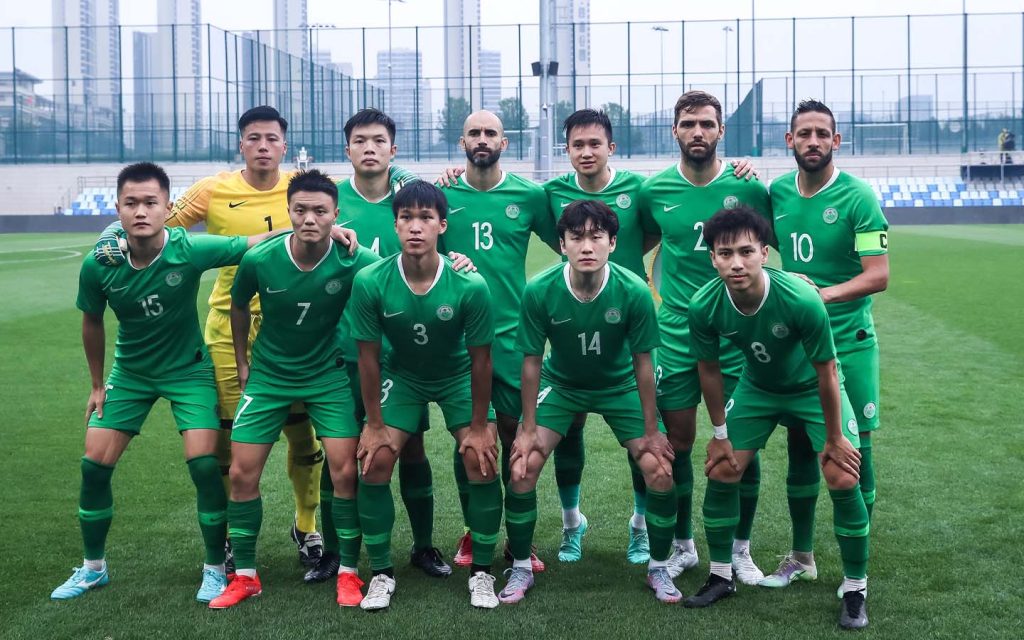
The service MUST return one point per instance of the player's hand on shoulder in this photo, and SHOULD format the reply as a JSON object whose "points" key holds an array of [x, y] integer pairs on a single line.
{"points": [[111, 248], [347, 237], [96, 399], [744, 168], [807, 280], [461, 262], [450, 175]]}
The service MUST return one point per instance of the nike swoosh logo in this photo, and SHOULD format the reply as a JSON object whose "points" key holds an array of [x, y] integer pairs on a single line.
{"points": [[342, 224], [731, 333], [269, 290], [90, 583], [564, 204], [668, 208], [781, 217], [113, 290], [392, 315], [232, 205], [553, 321], [454, 211]]}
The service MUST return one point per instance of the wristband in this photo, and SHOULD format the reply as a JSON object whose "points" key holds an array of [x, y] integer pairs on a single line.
{"points": [[721, 432]]}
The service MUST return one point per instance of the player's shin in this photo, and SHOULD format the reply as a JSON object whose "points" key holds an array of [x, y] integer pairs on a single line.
{"points": [[462, 482], [305, 464], [95, 507], [721, 514], [569, 460], [485, 521], [346, 528], [520, 521], [802, 487], [852, 531], [750, 488], [245, 519], [327, 514], [416, 484], [211, 505], [867, 472], [661, 522], [682, 472], [639, 493], [376, 508]]}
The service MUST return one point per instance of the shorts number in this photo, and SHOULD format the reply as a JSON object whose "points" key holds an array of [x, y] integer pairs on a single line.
{"points": [[421, 334], [543, 394], [760, 352], [385, 389], [803, 247], [305, 310], [246, 401], [483, 238], [151, 306], [595, 343], [700, 246]]}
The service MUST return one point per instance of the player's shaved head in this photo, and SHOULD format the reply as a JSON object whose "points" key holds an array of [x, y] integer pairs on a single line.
{"points": [[483, 119]]}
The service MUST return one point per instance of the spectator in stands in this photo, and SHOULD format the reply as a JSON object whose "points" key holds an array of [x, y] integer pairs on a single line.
{"points": [[1007, 143]]}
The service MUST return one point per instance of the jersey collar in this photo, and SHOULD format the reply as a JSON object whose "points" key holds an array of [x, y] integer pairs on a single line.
{"points": [[437, 276], [465, 181], [167, 238], [767, 287], [611, 179], [288, 248], [831, 181], [721, 171], [352, 183], [568, 283]]}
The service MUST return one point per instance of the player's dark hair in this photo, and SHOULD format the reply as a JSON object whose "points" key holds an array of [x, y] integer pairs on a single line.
{"points": [[262, 113], [585, 117], [142, 172], [420, 195], [810, 105], [729, 224], [693, 100], [576, 213], [312, 181], [366, 117]]}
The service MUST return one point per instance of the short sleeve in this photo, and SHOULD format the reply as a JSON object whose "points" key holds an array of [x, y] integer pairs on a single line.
{"points": [[362, 310], [704, 339], [210, 251], [544, 224], [814, 325], [476, 305], [91, 298], [869, 224], [191, 207], [531, 336], [647, 221], [644, 335], [245, 285]]}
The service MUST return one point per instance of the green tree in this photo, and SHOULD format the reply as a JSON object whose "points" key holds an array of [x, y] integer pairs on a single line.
{"points": [[453, 115], [629, 139], [513, 114]]}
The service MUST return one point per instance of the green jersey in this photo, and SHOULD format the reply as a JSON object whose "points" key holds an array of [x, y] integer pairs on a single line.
{"points": [[428, 333], [298, 339], [158, 331], [780, 341], [622, 195], [493, 228], [824, 236], [674, 207], [591, 342]]}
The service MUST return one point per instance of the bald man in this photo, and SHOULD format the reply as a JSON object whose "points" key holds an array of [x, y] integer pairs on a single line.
{"points": [[491, 214]]}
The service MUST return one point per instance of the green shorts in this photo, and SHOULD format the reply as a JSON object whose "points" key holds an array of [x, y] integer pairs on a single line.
{"points": [[403, 402], [506, 394], [753, 414], [265, 405], [357, 394], [192, 394], [861, 370], [676, 368], [557, 407]]}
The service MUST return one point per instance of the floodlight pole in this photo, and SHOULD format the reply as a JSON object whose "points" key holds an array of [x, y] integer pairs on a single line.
{"points": [[387, 105], [544, 127], [661, 38], [725, 102]]}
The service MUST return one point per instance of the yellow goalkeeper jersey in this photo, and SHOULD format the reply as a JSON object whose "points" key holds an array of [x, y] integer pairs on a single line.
{"points": [[230, 206]]}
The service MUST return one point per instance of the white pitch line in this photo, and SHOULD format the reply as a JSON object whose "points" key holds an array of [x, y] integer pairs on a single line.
{"points": [[66, 250]]}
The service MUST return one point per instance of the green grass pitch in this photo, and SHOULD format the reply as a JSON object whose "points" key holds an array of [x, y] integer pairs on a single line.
{"points": [[946, 555]]}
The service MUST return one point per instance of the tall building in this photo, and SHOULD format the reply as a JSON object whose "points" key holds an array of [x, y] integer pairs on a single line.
{"points": [[144, 139], [462, 49], [176, 72], [291, 28], [489, 73], [86, 53], [409, 104], [572, 50]]}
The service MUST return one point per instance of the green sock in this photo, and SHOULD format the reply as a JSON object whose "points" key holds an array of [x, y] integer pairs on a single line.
{"points": [[416, 483], [802, 487], [376, 509], [852, 530], [639, 487], [682, 472], [345, 528], [569, 461], [462, 482], [95, 507], [211, 505], [244, 522], [661, 521], [721, 513], [867, 472], [520, 521], [750, 487], [327, 512], [484, 519]]}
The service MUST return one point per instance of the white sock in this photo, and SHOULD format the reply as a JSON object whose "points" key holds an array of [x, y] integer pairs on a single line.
{"points": [[342, 570], [219, 568], [95, 565], [249, 573], [638, 521], [722, 569], [571, 518], [741, 546], [656, 564], [523, 564], [855, 584]]}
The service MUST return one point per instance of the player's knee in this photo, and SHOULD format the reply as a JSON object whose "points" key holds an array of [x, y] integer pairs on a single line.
{"points": [[381, 467], [245, 481], [344, 476], [472, 463], [655, 475], [837, 479], [723, 472]]}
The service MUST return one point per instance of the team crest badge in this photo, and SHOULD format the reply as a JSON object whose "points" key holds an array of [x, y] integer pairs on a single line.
{"points": [[869, 410], [623, 201], [613, 316], [333, 286], [512, 211], [730, 202], [173, 278], [780, 330], [830, 216], [445, 312], [851, 426]]}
